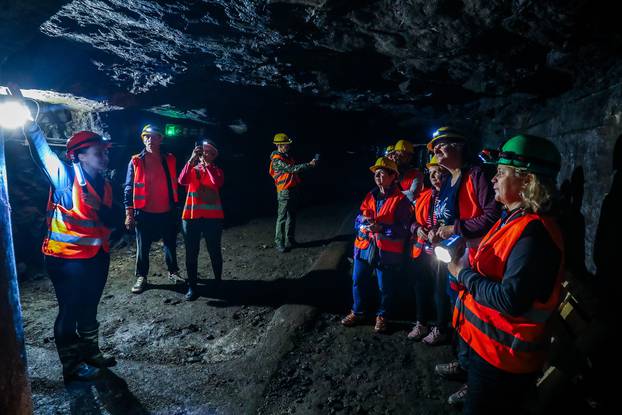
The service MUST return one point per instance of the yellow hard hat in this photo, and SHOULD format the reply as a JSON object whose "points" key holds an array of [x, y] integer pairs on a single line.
{"points": [[445, 135], [389, 150], [281, 138], [405, 146], [433, 162], [384, 163]]}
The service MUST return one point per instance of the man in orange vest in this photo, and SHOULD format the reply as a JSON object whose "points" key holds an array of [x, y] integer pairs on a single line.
{"points": [[150, 198], [284, 171]]}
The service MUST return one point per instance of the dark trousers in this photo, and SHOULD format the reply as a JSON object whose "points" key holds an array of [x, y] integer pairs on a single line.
{"points": [[420, 270], [78, 284], [441, 298], [211, 231], [150, 227], [494, 391], [285, 232]]}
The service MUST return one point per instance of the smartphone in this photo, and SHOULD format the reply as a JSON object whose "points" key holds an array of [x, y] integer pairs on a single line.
{"points": [[317, 157]]}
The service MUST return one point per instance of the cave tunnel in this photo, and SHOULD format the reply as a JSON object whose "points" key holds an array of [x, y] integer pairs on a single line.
{"points": [[343, 80]]}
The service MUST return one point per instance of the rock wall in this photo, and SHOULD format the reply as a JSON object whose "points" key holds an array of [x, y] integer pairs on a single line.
{"points": [[584, 124]]}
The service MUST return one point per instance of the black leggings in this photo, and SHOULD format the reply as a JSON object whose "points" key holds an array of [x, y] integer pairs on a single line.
{"points": [[211, 231], [78, 284]]}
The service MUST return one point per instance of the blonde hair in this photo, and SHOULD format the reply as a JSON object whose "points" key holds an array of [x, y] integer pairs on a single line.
{"points": [[538, 193]]}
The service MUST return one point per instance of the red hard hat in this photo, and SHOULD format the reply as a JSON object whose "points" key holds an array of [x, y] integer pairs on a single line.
{"points": [[83, 139]]}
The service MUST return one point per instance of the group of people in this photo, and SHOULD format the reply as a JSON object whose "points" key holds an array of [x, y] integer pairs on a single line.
{"points": [[498, 292], [498, 296], [80, 218]]}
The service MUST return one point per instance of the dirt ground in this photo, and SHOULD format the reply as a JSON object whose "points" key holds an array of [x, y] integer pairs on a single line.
{"points": [[268, 341]]}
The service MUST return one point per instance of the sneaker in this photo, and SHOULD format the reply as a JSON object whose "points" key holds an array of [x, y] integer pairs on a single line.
{"points": [[435, 337], [352, 319], [452, 371], [381, 325], [418, 332], [175, 278], [458, 398], [191, 295], [139, 286], [282, 249]]}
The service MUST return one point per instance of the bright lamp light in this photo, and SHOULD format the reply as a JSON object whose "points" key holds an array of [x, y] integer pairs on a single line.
{"points": [[13, 114], [449, 249]]}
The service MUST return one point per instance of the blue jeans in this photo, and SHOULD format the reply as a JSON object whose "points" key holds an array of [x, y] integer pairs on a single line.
{"points": [[362, 287]]}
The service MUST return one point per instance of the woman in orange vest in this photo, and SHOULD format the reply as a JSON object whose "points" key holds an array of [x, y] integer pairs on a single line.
{"points": [[203, 214], [382, 233], [512, 283], [429, 285], [76, 246]]}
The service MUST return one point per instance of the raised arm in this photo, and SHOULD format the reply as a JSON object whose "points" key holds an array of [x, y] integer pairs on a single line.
{"points": [[55, 170]]}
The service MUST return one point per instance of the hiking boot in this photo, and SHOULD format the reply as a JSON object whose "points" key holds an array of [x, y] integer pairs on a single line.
{"points": [[82, 373], [90, 351], [191, 294], [353, 319], [282, 249], [418, 332], [140, 285], [451, 371], [175, 278], [435, 337], [458, 398], [381, 325]]}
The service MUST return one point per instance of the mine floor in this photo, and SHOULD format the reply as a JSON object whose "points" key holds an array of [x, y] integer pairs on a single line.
{"points": [[268, 341]]}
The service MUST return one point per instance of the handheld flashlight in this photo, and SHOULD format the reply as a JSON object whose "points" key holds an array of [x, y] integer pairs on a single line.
{"points": [[450, 248]]}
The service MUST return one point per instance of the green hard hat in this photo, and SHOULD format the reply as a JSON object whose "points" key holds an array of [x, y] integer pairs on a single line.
{"points": [[532, 153]]}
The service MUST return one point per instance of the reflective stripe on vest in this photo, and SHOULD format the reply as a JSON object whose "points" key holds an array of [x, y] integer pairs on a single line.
{"points": [[76, 233], [423, 209], [140, 191], [386, 216], [202, 202], [283, 181], [515, 344]]}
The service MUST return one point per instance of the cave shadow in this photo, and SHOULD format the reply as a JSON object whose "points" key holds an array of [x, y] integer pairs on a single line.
{"points": [[572, 223], [107, 395], [606, 246]]}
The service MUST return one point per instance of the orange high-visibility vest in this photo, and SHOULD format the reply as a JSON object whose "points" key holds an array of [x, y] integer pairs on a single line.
{"points": [[515, 344], [283, 181], [386, 216], [468, 205], [409, 177], [202, 201], [140, 192], [76, 233], [423, 208]]}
